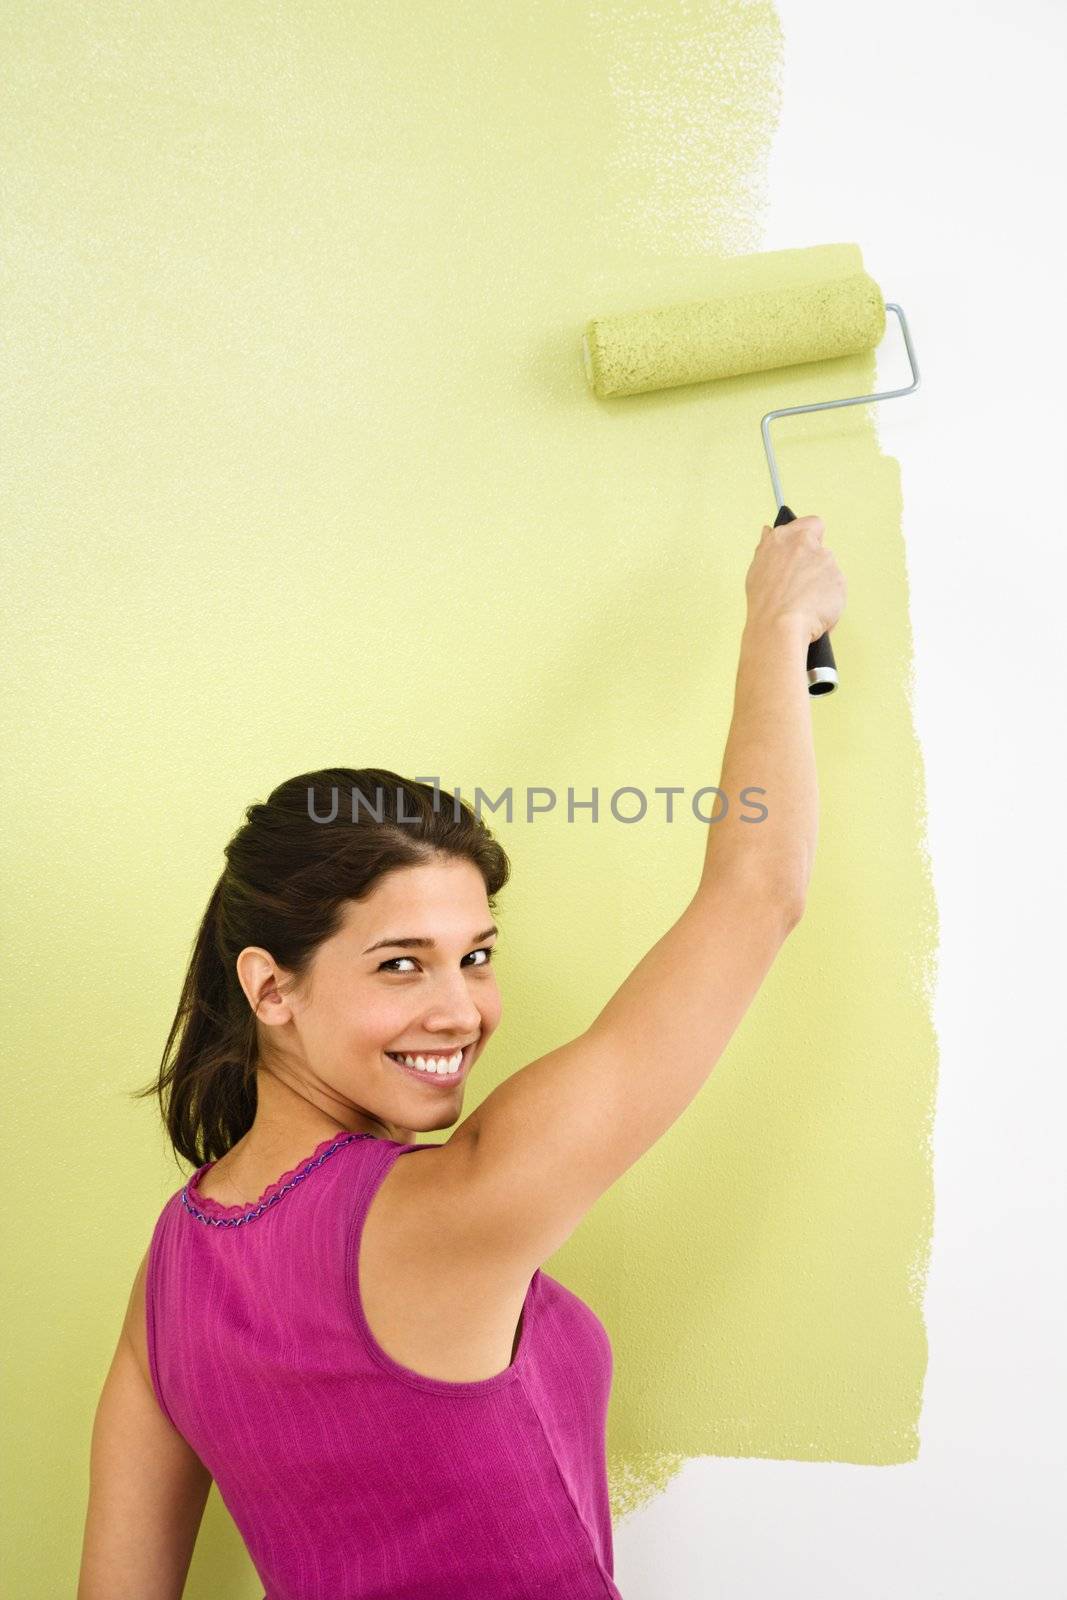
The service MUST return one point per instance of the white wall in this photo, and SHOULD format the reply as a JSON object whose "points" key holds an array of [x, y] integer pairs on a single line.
{"points": [[933, 135]]}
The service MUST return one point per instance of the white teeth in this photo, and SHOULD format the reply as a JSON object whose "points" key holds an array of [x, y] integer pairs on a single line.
{"points": [[433, 1064]]}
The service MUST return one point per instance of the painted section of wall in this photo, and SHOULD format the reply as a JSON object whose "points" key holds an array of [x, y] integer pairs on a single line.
{"points": [[308, 473]]}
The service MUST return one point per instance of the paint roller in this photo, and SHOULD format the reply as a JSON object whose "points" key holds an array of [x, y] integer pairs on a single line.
{"points": [[765, 311]]}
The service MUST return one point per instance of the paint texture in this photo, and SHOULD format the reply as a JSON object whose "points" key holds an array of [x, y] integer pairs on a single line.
{"points": [[775, 309], [308, 472]]}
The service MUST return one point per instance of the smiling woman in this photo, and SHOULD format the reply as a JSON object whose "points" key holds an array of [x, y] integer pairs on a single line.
{"points": [[340, 991], [329, 1034], [311, 1272], [286, 1015]]}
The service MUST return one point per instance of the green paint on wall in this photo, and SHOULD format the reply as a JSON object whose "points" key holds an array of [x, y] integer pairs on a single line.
{"points": [[299, 304]]}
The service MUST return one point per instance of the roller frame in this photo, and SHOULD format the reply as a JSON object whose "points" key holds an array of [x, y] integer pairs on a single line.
{"points": [[829, 405]]}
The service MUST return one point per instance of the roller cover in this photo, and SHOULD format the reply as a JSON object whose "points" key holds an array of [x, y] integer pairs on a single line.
{"points": [[744, 327]]}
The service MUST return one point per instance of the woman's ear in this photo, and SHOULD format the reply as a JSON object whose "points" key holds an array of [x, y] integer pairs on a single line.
{"points": [[260, 978]]}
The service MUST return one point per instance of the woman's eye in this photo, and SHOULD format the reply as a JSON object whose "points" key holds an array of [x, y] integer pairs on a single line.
{"points": [[484, 950]]}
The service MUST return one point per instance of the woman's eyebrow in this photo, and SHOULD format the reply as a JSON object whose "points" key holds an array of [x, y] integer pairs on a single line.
{"points": [[424, 944]]}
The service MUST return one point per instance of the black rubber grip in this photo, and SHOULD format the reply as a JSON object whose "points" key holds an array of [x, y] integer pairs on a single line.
{"points": [[821, 666]]}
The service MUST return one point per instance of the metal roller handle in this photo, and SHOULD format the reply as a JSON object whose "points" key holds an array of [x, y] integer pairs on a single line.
{"points": [[821, 667]]}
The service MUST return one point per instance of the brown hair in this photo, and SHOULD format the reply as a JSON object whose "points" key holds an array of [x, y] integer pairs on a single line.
{"points": [[321, 839]]}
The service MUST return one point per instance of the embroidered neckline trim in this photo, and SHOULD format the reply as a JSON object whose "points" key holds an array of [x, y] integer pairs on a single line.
{"points": [[205, 1209]]}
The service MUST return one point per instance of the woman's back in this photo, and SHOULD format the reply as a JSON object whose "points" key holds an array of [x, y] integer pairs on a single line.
{"points": [[348, 1472]]}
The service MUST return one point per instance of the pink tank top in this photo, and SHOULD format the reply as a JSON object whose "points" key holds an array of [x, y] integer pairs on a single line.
{"points": [[348, 1475]]}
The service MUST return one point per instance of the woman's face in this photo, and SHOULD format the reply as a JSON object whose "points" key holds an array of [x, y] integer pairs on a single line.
{"points": [[372, 1000]]}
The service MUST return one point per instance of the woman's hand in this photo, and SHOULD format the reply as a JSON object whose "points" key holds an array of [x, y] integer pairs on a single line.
{"points": [[792, 573]]}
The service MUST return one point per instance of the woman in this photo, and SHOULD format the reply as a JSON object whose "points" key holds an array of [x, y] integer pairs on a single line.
{"points": [[360, 1348]]}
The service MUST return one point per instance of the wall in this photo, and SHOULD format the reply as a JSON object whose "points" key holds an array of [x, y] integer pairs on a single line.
{"points": [[306, 471]]}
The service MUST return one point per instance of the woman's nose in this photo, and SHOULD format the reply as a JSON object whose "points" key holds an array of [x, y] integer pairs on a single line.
{"points": [[452, 995], [456, 1010]]}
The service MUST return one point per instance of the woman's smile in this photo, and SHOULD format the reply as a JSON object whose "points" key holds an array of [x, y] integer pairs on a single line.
{"points": [[430, 1072]]}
